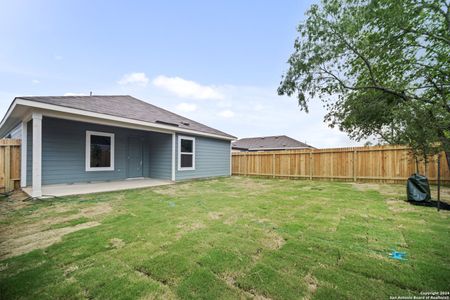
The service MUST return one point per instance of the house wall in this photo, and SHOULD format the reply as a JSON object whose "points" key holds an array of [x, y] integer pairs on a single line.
{"points": [[15, 133], [64, 152], [161, 156], [64, 147], [212, 158]]}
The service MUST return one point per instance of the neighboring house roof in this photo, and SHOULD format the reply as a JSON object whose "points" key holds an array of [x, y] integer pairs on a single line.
{"points": [[126, 107], [278, 142]]}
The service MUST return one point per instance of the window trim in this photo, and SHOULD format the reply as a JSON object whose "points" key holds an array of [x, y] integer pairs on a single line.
{"points": [[88, 151], [182, 137]]}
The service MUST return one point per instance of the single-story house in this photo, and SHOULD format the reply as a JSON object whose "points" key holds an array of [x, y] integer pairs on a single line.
{"points": [[268, 143], [85, 139]]}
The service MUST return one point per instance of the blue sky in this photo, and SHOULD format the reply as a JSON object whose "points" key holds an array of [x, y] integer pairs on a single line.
{"points": [[218, 62]]}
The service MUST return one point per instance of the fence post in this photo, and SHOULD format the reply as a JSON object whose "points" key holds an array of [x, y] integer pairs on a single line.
{"points": [[238, 157], [310, 165], [355, 165], [7, 169], [273, 165], [246, 164]]}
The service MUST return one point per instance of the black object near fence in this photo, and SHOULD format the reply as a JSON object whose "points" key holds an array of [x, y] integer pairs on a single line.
{"points": [[418, 188]]}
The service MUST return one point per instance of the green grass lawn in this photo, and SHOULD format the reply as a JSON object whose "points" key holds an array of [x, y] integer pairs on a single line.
{"points": [[226, 238]]}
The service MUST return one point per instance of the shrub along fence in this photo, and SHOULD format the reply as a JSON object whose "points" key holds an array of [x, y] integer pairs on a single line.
{"points": [[387, 164], [9, 165]]}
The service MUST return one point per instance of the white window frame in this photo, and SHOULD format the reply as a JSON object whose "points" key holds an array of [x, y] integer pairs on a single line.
{"points": [[181, 137], [88, 151]]}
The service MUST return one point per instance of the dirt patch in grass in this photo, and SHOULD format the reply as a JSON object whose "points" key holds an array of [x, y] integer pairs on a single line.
{"points": [[398, 205], [70, 270], [273, 240], [17, 200], [165, 294], [99, 209], [175, 189], [384, 189], [252, 186], [186, 228], [215, 215], [230, 280], [39, 240], [311, 283], [46, 226], [116, 243], [15, 230], [231, 220], [249, 183]]}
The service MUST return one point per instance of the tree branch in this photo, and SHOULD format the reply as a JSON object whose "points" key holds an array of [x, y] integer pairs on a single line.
{"points": [[369, 87], [428, 34], [441, 92], [354, 50]]}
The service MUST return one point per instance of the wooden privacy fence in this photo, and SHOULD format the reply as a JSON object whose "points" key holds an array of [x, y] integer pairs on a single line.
{"points": [[9, 165], [389, 164]]}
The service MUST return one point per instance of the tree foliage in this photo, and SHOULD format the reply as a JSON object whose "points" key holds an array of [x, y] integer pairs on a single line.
{"points": [[382, 67]]}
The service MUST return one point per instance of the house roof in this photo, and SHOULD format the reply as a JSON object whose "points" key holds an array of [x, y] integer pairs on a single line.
{"points": [[126, 107], [277, 142]]}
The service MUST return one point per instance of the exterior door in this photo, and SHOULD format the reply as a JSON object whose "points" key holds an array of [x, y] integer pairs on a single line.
{"points": [[135, 157]]}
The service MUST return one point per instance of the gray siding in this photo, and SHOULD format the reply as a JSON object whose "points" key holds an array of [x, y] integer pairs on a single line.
{"points": [[161, 156], [15, 133], [64, 147], [212, 158]]}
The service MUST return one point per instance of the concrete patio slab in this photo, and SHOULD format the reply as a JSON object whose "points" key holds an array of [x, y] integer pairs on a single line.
{"points": [[58, 190]]}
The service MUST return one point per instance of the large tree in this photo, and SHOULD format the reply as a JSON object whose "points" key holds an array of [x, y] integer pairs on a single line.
{"points": [[382, 67]]}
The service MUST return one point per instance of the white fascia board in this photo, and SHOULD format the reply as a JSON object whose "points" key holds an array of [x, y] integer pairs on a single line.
{"points": [[49, 109], [5, 118], [8, 113]]}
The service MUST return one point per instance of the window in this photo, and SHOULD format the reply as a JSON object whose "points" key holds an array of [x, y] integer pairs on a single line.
{"points": [[99, 151], [186, 153]]}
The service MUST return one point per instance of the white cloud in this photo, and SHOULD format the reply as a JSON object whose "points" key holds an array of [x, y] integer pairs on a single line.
{"points": [[74, 94], [138, 78], [225, 103], [35, 81], [226, 113], [186, 107], [259, 107], [186, 88]]}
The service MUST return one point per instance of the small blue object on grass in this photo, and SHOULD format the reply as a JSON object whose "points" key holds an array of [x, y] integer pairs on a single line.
{"points": [[171, 204], [398, 255]]}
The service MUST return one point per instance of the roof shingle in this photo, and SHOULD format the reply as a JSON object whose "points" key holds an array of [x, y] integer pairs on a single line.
{"points": [[278, 142]]}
